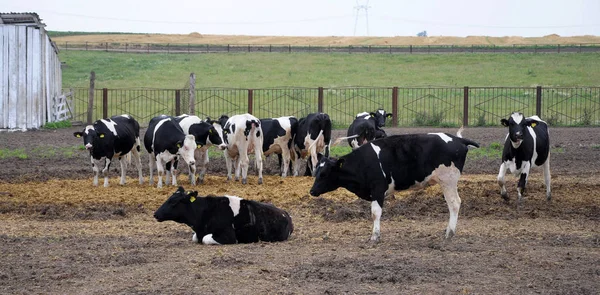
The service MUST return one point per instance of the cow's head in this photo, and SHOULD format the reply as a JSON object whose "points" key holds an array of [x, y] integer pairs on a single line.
{"points": [[186, 148], [178, 207], [90, 135], [326, 178], [214, 137], [517, 127], [380, 116]]}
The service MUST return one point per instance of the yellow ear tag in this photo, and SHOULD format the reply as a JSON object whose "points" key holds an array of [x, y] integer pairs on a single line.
{"points": [[101, 135], [192, 199], [533, 125], [178, 146], [341, 164], [372, 116], [78, 135], [210, 131], [198, 146]]}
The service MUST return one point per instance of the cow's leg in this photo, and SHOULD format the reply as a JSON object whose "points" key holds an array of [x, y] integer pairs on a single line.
{"points": [[220, 237], [448, 177], [523, 180], [138, 162], [96, 169], [228, 164], [285, 155], [173, 172], [152, 160], [192, 173], [243, 161], [105, 171], [203, 164], [123, 163], [259, 162], [502, 182], [314, 162], [296, 163], [195, 238], [376, 209], [547, 179], [160, 171]]}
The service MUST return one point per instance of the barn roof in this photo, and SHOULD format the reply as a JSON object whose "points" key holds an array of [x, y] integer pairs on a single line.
{"points": [[21, 18]]}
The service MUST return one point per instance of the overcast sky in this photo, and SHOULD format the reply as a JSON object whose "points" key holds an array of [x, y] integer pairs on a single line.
{"points": [[528, 18]]}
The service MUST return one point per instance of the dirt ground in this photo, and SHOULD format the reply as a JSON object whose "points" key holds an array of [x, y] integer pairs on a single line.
{"points": [[198, 38], [61, 235]]}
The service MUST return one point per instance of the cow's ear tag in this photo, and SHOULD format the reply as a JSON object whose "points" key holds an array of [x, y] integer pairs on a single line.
{"points": [[372, 116], [192, 199], [178, 145], [199, 146], [210, 131], [341, 164], [533, 124], [78, 136], [101, 135]]}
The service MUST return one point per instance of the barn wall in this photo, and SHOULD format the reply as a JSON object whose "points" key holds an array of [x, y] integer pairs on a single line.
{"points": [[30, 79]]}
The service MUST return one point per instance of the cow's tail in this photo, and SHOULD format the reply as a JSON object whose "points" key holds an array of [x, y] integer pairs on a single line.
{"points": [[339, 139], [316, 139], [466, 141], [128, 158]]}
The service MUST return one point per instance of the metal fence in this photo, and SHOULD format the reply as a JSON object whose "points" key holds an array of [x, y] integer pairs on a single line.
{"points": [[279, 48], [411, 106]]}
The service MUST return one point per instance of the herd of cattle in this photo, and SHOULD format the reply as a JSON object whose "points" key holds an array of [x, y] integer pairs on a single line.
{"points": [[377, 166]]}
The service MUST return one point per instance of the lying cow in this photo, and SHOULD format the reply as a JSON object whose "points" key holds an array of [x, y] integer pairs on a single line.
{"points": [[113, 137], [165, 140], [367, 127], [277, 138], [226, 219], [206, 136], [313, 137], [527, 145], [243, 135], [399, 162]]}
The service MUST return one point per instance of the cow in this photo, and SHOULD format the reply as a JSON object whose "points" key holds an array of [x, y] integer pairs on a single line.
{"points": [[367, 127], [226, 219], [165, 140], [313, 137], [526, 145], [278, 134], [398, 162], [243, 135], [206, 135], [116, 136]]}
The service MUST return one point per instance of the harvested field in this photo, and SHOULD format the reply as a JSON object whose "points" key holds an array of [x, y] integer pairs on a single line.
{"points": [[61, 235]]}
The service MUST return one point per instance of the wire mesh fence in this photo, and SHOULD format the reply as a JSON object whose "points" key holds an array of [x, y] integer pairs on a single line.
{"points": [[411, 106]]}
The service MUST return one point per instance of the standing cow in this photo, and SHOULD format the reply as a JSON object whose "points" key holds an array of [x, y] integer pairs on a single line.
{"points": [[278, 134], [164, 140], [313, 137], [527, 145], [379, 168], [367, 127], [226, 219], [206, 135], [243, 135], [113, 137]]}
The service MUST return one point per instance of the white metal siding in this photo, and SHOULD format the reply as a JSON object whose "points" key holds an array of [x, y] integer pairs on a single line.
{"points": [[30, 78]]}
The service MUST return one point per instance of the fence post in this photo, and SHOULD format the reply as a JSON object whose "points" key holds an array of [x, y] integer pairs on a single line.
{"points": [[538, 101], [466, 107], [320, 100], [395, 107], [148, 49], [86, 44], [106, 46], [66, 45], [250, 100], [192, 105], [227, 47], [558, 48], [410, 46], [177, 102], [90, 108], [104, 103], [289, 48]]}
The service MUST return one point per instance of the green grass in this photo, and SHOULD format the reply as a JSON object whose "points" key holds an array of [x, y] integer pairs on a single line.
{"points": [[40, 152], [265, 70], [493, 151], [58, 125]]}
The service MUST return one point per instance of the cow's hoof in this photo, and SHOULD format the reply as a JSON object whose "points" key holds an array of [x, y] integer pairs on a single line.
{"points": [[449, 234], [244, 180], [549, 197], [260, 181], [505, 197]]}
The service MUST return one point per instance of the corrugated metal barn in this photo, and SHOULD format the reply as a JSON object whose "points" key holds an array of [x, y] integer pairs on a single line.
{"points": [[30, 73]]}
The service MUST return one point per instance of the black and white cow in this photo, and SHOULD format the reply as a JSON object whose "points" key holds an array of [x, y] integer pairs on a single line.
{"points": [[243, 135], [399, 162], [165, 140], [226, 219], [206, 135], [367, 127], [527, 145], [278, 134], [112, 137], [313, 137]]}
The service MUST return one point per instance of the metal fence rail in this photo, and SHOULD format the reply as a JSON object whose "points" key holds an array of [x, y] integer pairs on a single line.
{"points": [[282, 48], [411, 106]]}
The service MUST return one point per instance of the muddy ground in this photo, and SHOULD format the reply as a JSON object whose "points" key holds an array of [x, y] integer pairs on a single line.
{"points": [[61, 235]]}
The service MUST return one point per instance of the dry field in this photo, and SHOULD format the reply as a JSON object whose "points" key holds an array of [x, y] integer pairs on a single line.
{"points": [[197, 38], [61, 235]]}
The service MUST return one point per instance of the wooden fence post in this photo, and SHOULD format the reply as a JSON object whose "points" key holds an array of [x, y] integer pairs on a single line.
{"points": [[466, 107], [192, 106], [395, 107], [250, 100], [320, 100], [177, 102], [104, 103], [90, 108], [538, 101]]}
